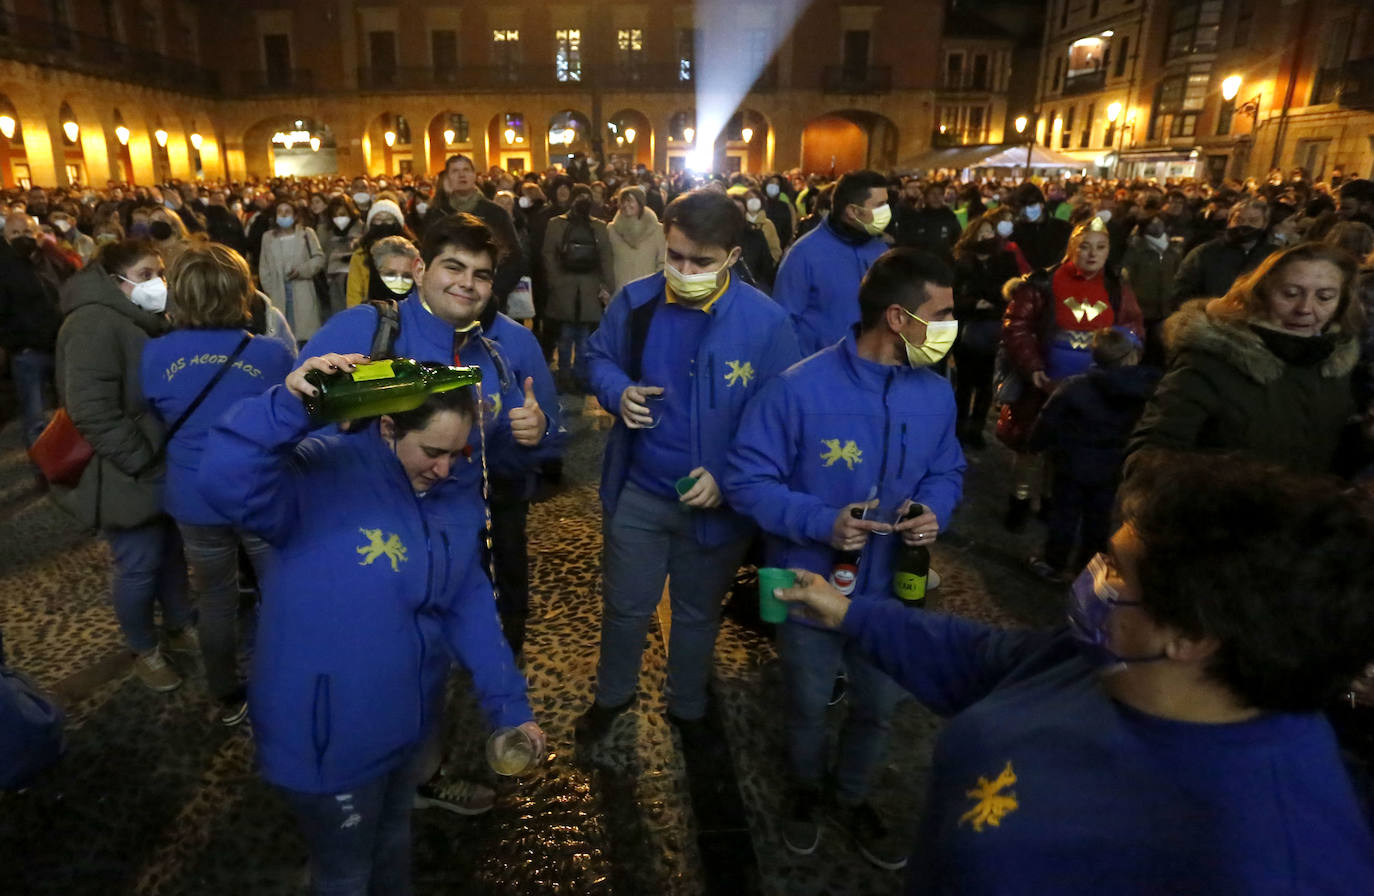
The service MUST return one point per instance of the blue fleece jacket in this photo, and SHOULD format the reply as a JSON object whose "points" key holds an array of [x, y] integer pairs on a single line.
{"points": [[522, 351], [175, 368], [831, 431], [1041, 783], [371, 591], [818, 284], [424, 337], [748, 341]]}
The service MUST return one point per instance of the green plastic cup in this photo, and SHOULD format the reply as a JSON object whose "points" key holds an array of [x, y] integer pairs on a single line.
{"points": [[685, 484], [770, 577]]}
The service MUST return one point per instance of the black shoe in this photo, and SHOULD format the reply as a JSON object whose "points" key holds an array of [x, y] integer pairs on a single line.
{"points": [[595, 723], [800, 829], [840, 689], [874, 839], [233, 709], [1018, 514], [698, 735]]}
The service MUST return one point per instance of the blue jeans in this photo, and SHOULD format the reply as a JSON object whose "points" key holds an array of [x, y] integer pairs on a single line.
{"points": [[212, 558], [647, 540], [148, 569], [573, 336], [359, 841], [811, 658], [33, 372]]}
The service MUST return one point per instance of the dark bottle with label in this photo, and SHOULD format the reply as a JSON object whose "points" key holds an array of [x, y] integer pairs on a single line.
{"points": [[382, 387], [844, 570], [913, 567]]}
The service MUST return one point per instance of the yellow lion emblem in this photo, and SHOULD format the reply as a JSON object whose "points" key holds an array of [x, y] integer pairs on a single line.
{"points": [[739, 373], [494, 404], [850, 453], [992, 804], [392, 549]]}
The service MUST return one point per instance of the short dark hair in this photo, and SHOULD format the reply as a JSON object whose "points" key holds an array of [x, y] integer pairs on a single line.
{"points": [[459, 158], [853, 187], [706, 217], [899, 277], [461, 231], [1274, 565], [1358, 190], [1111, 346], [116, 258], [459, 401]]}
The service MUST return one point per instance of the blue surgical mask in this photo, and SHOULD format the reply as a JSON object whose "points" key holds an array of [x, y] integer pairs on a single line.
{"points": [[1091, 602], [285, 222]]}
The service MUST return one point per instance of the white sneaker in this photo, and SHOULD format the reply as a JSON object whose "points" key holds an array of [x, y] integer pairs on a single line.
{"points": [[932, 580]]}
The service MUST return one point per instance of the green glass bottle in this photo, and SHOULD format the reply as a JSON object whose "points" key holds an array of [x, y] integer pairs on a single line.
{"points": [[913, 567], [382, 387]]}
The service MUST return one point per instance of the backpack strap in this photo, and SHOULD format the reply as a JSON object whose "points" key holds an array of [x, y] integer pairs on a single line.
{"points": [[640, 318], [388, 329]]}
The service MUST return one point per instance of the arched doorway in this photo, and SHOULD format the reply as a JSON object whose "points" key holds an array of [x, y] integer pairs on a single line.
{"points": [[388, 145], [680, 142], [284, 145], [449, 134], [848, 139], [629, 140], [508, 142], [14, 161], [569, 137]]}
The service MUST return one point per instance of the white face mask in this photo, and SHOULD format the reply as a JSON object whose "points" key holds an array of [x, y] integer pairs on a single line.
{"points": [[341, 221], [1004, 228], [150, 295], [753, 205], [1032, 212], [695, 287], [772, 190], [882, 216], [62, 225], [421, 208], [940, 336], [525, 201], [1160, 242], [363, 199], [400, 284]]}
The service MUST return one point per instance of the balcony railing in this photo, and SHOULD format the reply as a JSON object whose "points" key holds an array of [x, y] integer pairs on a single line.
{"points": [[1357, 84], [537, 77], [288, 80], [848, 79], [1085, 82], [41, 42]]}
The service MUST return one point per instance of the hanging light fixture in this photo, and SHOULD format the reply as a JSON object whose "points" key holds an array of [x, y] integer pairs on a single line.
{"points": [[196, 140], [689, 134], [315, 144], [390, 138], [509, 135], [7, 126], [122, 135], [71, 129], [630, 135], [161, 137], [747, 134]]}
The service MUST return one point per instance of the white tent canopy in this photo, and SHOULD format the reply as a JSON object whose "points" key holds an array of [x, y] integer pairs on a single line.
{"points": [[995, 155]]}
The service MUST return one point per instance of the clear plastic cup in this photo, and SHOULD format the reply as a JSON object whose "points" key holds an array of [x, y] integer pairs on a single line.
{"points": [[655, 405], [512, 752]]}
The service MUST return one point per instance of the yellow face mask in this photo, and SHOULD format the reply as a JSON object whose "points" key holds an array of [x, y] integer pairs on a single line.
{"points": [[940, 336]]}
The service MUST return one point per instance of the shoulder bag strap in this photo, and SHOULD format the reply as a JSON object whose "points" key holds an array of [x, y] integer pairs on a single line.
{"points": [[204, 393]]}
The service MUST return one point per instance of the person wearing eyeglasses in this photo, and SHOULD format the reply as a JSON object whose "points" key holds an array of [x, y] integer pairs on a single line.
{"points": [[1170, 738]]}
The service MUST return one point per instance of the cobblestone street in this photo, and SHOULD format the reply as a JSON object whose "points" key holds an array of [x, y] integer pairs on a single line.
{"points": [[154, 797]]}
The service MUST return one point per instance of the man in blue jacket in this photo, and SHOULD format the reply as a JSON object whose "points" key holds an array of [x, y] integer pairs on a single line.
{"points": [[446, 319], [820, 274], [862, 426], [677, 356]]}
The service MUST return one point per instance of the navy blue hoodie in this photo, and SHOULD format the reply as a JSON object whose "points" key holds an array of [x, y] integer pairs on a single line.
{"points": [[1088, 419], [372, 591]]}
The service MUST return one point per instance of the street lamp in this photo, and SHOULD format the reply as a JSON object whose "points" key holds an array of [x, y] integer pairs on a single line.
{"points": [[1230, 89], [689, 134], [747, 134], [390, 138], [71, 129], [7, 126], [630, 134], [509, 134], [1021, 122], [121, 134], [449, 134], [160, 136], [315, 144]]}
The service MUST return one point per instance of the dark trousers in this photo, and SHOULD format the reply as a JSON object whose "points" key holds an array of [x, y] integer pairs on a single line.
{"points": [[511, 557], [973, 384], [1079, 509]]}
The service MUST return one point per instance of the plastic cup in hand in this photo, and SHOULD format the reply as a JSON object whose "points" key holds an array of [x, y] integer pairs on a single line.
{"points": [[655, 405], [770, 578], [685, 485], [510, 751]]}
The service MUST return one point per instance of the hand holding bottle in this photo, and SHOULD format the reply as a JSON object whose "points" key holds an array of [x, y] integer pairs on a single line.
{"points": [[850, 532], [920, 530], [527, 422], [299, 386]]}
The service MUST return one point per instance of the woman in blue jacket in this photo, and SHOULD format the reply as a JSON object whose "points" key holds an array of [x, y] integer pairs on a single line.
{"points": [[375, 584], [1171, 739], [209, 289]]}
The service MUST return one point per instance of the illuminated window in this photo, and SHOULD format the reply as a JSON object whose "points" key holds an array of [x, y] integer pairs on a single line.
{"points": [[686, 53], [505, 51], [568, 58], [631, 42]]}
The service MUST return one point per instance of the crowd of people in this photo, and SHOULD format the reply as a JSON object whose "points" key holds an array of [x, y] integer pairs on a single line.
{"points": [[1183, 374]]}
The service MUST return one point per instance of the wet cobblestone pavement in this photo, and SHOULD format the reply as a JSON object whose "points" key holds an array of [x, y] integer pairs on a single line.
{"points": [[154, 797]]}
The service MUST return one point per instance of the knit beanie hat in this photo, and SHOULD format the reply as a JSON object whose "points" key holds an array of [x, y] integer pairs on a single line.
{"points": [[385, 206]]}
